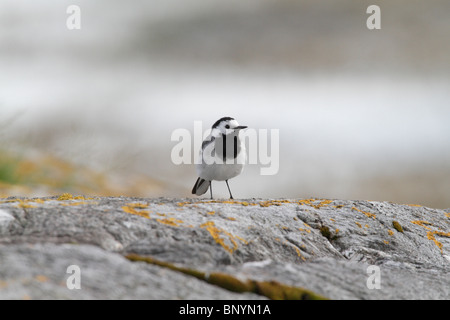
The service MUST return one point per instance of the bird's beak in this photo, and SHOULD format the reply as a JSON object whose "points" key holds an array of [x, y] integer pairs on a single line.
{"points": [[240, 127]]}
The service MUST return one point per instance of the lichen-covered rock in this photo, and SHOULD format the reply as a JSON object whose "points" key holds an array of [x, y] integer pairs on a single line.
{"points": [[325, 246], [40, 271]]}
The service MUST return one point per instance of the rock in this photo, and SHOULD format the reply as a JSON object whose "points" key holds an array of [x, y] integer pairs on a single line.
{"points": [[40, 272], [5, 219], [254, 249]]}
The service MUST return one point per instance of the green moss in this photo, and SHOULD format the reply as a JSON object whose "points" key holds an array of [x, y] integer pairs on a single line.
{"points": [[397, 226], [278, 291], [171, 266], [8, 169], [325, 231], [228, 282], [271, 289]]}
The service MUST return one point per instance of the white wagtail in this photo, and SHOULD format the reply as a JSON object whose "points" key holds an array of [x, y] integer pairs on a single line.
{"points": [[222, 154]]}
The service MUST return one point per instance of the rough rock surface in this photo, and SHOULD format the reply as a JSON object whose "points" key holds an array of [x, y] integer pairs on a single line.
{"points": [[325, 246]]}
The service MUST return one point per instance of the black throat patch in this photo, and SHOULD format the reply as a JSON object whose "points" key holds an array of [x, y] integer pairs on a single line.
{"points": [[226, 148]]}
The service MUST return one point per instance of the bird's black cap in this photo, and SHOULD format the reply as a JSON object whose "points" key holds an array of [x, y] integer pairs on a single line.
{"points": [[216, 124]]}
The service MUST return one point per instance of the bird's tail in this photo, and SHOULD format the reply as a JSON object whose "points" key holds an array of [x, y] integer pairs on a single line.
{"points": [[201, 186]]}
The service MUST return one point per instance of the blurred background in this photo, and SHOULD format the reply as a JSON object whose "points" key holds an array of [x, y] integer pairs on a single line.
{"points": [[362, 114]]}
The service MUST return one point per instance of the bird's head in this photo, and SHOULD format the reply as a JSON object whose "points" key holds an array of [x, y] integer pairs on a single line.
{"points": [[226, 126]]}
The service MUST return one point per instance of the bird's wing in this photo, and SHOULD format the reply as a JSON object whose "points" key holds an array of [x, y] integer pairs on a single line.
{"points": [[207, 141], [207, 152]]}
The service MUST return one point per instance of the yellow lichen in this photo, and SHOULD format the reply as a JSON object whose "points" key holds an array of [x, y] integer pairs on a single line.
{"points": [[138, 205], [299, 254], [422, 224], [24, 204], [264, 204], [358, 224], [217, 234], [181, 204], [269, 203], [65, 196], [241, 239], [3, 284], [391, 233], [312, 202], [9, 201], [323, 203], [41, 278], [75, 203], [430, 236], [132, 210], [170, 221], [368, 214], [231, 201], [68, 196]]}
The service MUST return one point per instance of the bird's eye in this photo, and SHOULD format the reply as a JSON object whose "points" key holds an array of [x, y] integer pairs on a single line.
{"points": [[227, 126]]}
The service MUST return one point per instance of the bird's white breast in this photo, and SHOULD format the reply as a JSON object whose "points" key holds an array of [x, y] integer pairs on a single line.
{"points": [[213, 167]]}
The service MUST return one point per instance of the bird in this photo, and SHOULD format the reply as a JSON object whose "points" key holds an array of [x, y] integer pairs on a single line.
{"points": [[222, 156]]}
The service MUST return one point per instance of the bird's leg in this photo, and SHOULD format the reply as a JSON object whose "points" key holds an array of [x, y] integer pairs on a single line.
{"points": [[210, 188], [231, 196]]}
